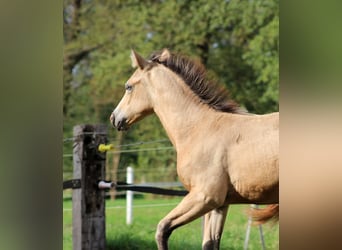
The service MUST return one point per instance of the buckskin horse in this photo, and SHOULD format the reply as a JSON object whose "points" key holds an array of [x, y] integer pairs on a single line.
{"points": [[224, 154]]}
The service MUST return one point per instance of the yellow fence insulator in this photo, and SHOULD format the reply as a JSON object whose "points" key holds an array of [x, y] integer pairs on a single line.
{"points": [[103, 147]]}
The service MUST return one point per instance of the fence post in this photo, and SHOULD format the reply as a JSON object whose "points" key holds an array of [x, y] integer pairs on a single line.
{"points": [[129, 196], [88, 202]]}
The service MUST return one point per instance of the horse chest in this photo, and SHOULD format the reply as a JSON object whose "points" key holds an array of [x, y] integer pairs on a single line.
{"points": [[200, 168]]}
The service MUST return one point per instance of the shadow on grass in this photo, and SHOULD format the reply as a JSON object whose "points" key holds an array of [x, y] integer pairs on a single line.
{"points": [[139, 244], [133, 243], [129, 244]]}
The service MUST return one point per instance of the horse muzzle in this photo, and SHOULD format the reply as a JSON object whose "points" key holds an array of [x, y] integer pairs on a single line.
{"points": [[120, 123]]}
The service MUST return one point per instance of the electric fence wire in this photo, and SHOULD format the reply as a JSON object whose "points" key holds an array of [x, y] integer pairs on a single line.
{"points": [[134, 150]]}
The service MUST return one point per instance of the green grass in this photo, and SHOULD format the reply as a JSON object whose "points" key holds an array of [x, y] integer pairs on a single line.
{"points": [[146, 215]]}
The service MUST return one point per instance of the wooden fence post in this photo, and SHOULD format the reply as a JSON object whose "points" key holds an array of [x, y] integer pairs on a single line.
{"points": [[88, 202]]}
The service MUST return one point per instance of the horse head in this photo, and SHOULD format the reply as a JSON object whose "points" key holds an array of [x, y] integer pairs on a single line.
{"points": [[136, 103]]}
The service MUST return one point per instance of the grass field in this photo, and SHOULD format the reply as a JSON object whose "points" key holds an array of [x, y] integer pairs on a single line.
{"points": [[148, 212]]}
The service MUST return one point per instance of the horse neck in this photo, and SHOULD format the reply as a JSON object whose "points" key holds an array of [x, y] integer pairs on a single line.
{"points": [[178, 109]]}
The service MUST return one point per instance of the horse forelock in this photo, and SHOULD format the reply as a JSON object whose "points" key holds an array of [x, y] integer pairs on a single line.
{"points": [[195, 76]]}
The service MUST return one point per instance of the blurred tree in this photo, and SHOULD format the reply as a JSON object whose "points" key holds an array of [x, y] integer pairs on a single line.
{"points": [[236, 40]]}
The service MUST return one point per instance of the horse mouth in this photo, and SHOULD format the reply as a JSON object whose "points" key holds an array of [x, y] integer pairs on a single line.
{"points": [[122, 125]]}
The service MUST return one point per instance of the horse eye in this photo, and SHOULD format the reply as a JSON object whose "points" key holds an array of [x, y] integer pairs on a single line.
{"points": [[128, 87]]}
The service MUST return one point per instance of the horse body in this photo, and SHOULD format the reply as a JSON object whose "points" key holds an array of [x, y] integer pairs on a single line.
{"points": [[248, 167], [222, 158]]}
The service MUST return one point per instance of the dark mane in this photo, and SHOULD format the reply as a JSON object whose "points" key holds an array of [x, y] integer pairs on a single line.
{"points": [[195, 76]]}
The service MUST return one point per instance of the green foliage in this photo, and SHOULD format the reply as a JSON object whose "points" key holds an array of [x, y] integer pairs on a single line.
{"points": [[236, 40]]}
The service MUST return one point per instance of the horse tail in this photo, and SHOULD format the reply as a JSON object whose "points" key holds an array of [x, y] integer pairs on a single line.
{"points": [[263, 215]]}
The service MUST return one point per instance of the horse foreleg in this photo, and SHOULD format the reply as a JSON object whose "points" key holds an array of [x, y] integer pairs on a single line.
{"points": [[213, 227], [190, 208]]}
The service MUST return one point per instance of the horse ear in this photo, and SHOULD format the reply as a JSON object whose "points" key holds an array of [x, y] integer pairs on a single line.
{"points": [[164, 55], [138, 60]]}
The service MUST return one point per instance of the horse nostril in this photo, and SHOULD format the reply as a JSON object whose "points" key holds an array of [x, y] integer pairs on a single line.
{"points": [[112, 119]]}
